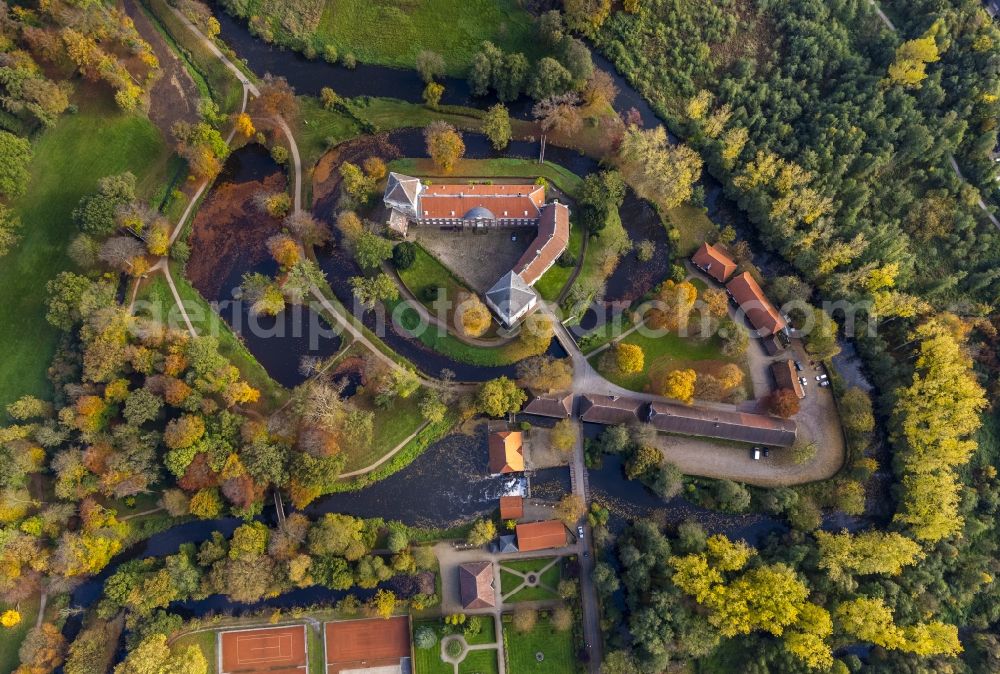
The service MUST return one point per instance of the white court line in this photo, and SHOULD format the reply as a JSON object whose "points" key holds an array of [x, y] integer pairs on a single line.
{"points": [[284, 647]]}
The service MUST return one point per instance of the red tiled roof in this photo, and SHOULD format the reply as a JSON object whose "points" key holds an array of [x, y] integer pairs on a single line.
{"points": [[506, 452], [541, 535], [761, 313], [503, 201], [552, 239], [716, 263], [787, 376], [511, 507]]}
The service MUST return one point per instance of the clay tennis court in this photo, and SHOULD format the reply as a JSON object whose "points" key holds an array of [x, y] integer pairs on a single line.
{"points": [[276, 650], [373, 646]]}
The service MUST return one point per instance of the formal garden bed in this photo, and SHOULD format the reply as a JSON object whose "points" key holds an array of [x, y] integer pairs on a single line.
{"points": [[534, 580], [480, 661]]}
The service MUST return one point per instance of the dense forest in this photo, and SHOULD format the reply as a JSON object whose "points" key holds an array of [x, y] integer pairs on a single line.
{"points": [[838, 153]]}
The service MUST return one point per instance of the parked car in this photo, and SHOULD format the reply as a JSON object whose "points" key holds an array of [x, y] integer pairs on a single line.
{"points": [[798, 366], [756, 454], [821, 377], [579, 531], [803, 381], [825, 383], [766, 452]]}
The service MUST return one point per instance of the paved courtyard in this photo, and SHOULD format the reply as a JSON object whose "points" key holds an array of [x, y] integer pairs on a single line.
{"points": [[478, 259]]}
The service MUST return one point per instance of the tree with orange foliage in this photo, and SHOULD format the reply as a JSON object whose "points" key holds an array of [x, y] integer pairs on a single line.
{"points": [[284, 250], [783, 403]]}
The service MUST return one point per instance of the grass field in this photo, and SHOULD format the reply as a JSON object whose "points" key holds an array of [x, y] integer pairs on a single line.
{"points": [[392, 33], [664, 354], [556, 649], [12, 638], [207, 322], [68, 160]]}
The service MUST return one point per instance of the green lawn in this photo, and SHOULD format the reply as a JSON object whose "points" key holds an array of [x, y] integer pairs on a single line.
{"points": [[68, 160], [527, 565], [556, 648], [393, 33], [318, 129], [207, 322], [314, 649], [562, 178], [205, 641], [12, 638], [392, 426], [213, 78], [694, 226], [427, 273], [664, 354]]}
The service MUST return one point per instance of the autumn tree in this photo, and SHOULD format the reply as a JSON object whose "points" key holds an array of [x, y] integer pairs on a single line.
{"points": [[933, 421], [563, 435], [680, 384], [444, 145], [673, 307], [629, 358], [482, 532], [869, 552], [545, 373], [659, 171], [909, 68], [153, 656], [496, 126], [432, 94], [783, 403], [474, 317], [499, 397]]}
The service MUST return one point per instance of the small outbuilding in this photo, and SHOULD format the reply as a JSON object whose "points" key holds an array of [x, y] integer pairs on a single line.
{"points": [[511, 507], [714, 261], [476, 585]]}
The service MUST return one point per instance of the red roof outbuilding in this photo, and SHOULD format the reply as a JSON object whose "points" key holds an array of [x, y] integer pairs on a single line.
{"points": [[511, 507], [714, 262], [760, 312], [541, 535]]}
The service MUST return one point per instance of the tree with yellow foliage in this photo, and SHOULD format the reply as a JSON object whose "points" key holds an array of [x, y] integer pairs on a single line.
{"points": [[629, 358], [444, 145], [10, 618], [675, 302], [909, 68], [475, 318], [680, 384], [244, 125], [934, 420]]}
